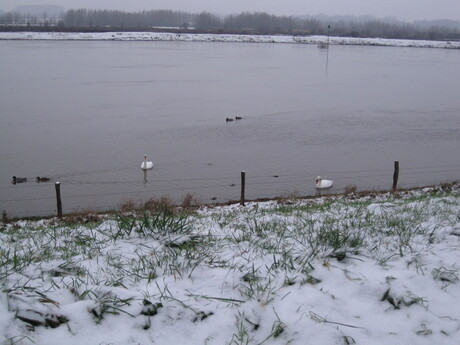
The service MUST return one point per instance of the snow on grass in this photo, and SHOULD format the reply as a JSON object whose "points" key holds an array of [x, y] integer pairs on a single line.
{"points": [[166, 36], [377, 269]]}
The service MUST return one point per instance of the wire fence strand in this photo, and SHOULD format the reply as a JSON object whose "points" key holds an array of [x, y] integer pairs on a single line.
{"points": [[222, 187]]}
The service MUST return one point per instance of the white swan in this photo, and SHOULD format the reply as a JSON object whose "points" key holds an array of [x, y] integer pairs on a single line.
{"points": [[323, 184], [145, 164]]}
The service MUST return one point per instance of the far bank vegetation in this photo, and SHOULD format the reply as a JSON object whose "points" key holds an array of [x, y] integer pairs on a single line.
{"points": [[243, 23]]}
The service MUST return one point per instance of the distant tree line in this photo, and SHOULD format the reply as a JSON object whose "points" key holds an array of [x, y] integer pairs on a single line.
{"points": [[398, 30], [20, 19], [246, 22], [120, 19]]}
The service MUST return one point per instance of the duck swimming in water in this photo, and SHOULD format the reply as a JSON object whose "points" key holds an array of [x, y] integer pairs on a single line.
{"points": [[42, 179], [15, 179]]}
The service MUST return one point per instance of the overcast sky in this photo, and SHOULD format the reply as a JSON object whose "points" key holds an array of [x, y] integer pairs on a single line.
{"points": [[401, 9]]}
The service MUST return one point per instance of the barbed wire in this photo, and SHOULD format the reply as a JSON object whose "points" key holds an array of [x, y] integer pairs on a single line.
{"points": [[154, 187], [256, 185], [62, 178]]}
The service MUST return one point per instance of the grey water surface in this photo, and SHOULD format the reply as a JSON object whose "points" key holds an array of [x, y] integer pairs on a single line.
{"points": [[84, 113]]}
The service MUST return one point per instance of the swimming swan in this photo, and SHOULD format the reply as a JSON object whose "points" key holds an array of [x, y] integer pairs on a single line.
{"points": [[146, 165], [323, 184]]}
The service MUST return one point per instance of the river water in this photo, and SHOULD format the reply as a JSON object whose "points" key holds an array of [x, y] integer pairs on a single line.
{"points": [[84, 113]]}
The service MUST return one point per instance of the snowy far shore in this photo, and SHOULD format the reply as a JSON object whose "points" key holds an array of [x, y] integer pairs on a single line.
{"points": [[165, 36], [378, 269]]}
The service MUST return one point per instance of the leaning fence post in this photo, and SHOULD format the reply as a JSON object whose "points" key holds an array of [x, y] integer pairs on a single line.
{"points": [[396, 176], [243, 183], [57, 185]]}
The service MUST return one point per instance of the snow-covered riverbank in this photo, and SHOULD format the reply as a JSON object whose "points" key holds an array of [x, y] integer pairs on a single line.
{"points": [[381, 269], [164, 36]]}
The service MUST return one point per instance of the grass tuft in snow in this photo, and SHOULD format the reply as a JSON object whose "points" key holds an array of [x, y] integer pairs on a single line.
{"points": [[156, 268]]}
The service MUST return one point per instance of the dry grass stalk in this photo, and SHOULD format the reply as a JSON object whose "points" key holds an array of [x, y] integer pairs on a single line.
{"points": [[128, 206], [164, 204], [350, 189], [190, 202]]}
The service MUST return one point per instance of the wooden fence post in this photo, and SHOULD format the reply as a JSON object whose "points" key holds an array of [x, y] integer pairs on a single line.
{"points": [[396, 176], [243, 184], [57, 185]]}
